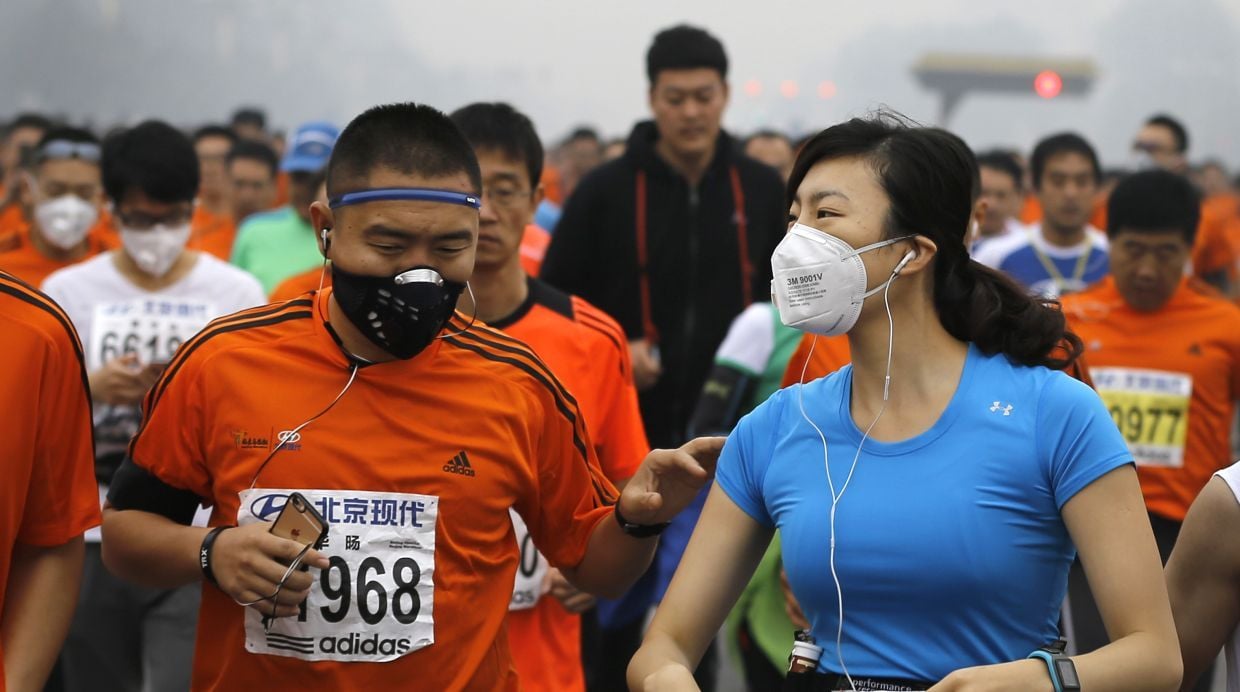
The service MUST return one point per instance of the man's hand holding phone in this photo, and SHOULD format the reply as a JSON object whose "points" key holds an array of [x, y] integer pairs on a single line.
{"points": [[249, 562]]}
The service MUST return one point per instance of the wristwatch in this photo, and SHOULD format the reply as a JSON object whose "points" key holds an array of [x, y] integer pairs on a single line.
{"points": [[1060, 667], [638, 530]]}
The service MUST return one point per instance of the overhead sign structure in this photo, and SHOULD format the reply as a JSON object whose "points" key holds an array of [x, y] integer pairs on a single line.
{"points": [[953, 75]]}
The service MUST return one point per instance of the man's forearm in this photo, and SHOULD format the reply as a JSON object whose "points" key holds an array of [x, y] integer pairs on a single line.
{"points": [[150, 549], [41, 595], [613, 561]]}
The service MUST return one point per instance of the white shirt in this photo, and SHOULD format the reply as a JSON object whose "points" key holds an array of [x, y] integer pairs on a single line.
{"points": [[113, 316]]}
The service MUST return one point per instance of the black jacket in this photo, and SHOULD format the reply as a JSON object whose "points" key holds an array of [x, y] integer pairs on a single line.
{"points": [[694, 261]]}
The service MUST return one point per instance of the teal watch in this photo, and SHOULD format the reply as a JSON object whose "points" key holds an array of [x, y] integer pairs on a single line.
{"points": [[1061, 668]]}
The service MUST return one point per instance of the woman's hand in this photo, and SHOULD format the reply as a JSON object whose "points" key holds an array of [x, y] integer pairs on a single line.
{"points": [[1029, 675]]}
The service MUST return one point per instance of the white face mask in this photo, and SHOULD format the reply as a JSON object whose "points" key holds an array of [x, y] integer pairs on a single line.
{"points": [[820, 280], [157, 249], [64, 221]]}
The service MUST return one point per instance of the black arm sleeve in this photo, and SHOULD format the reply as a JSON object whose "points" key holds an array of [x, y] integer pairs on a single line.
{"points": [[720, 406], [567, 263], [133, 487]]}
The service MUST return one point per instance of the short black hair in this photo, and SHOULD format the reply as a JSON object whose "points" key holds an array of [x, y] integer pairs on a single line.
{"points": [[255, 151], [36, 121], [215, 131], [1178, 132], [1154, 201], [1062, 143], [685, 47], [249, 115], [154, 157], [767, 133], [1004, 162], [503, 128], [581, 133], [406, 137]]}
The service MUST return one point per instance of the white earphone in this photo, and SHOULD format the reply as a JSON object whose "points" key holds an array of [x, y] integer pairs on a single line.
{"points": [[908, 257]]}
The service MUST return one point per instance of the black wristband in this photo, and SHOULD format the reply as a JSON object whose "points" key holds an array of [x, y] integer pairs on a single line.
{"points": [[204, 553], [638, 530]]}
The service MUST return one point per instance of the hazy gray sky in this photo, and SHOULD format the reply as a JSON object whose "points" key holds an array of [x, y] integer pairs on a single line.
{"points": [[568, 63]]}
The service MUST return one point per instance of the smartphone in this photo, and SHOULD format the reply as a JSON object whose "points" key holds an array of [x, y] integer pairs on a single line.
{"points": [[300, 522]]}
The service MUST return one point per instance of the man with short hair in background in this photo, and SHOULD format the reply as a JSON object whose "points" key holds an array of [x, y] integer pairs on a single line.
{"points": [[1002, 195], [1062, 253], [772, 148], [278, 244], [252, 171], [213, 228], [673, 240], [62, 196]]}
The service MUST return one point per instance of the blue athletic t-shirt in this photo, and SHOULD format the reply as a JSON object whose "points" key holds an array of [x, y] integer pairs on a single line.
{"points": [[949, 545]]}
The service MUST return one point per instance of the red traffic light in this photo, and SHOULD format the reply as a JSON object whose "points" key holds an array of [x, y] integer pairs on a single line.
{"points": [[1048, 84]]}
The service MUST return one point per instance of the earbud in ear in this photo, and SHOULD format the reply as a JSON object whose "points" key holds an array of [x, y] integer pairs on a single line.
{"points": [[327, 242], [908, 257]]}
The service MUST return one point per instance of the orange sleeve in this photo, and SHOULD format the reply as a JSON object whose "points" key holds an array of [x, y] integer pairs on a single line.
{"points": [[573, 495], [169, 443], [64, 499], [796, 364], [1212, 252], [621, 439]]}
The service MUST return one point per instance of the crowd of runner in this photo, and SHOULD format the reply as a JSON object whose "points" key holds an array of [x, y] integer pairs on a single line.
{"points": [[501, 373]]}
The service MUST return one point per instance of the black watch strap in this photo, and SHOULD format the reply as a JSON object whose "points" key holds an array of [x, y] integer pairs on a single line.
{"points": [[638, 530]]}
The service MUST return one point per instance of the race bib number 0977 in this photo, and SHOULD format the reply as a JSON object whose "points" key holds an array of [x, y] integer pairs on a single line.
{"points": [[375, 601], [1151, 409]]}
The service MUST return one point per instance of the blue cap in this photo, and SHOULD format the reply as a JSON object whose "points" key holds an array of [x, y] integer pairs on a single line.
{"points": [[310, 148]]}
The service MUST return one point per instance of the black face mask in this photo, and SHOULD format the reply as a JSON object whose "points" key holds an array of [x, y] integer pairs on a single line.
{"points": [[400, 314]]}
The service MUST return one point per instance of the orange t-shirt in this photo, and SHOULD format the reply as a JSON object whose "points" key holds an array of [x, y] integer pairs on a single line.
{"points": [[47, 457], [24, 260], [534, 244], [1214, 250], [1170, 379], [454, 437], [302, 283], [212, 233], [588, 351], [1031, 212]]}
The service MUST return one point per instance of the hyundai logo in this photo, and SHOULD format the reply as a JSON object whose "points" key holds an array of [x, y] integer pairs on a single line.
{"points": [[291, 437], [268, 506]]}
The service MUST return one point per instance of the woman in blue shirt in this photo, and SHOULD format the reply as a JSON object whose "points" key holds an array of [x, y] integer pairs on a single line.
{"points": [[932, 495]]}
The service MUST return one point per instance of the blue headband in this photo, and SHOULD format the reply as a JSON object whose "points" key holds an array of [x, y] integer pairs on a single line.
{"points": [[414, 194]]}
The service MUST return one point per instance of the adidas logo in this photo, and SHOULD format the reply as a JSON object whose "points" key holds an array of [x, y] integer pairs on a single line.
{"points": [[459, 464]]}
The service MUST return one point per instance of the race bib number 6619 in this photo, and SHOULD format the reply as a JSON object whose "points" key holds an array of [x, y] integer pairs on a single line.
{"points": [[375, 601]]}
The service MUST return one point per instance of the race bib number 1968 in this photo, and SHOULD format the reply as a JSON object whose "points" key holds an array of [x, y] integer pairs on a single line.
{"points": [[375, 601], [1151, 409]]}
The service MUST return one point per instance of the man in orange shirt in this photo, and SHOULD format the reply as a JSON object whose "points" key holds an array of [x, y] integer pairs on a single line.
{"points": [[584, 347], [252, 170], [48, 497], [411, 431], [1164, 350], [62, 195], [212, 228]]}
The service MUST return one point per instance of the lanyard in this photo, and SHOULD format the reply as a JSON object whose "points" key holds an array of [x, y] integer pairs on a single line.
{"points": [[1078, 272], [649, 330]]}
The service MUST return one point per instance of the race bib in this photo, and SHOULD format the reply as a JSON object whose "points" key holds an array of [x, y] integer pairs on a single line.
{"points": [[375, 602], [151, 328], [1151, 409], [531, 570]]}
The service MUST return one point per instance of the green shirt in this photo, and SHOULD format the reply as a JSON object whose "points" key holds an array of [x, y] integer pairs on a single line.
{"points": [[759, 345], [275, 245]]}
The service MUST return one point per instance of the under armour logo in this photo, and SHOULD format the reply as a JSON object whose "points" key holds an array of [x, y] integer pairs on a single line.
{"points": [[996, 407]]}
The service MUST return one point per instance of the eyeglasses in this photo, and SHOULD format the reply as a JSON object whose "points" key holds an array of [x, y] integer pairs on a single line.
{"points": [[64, 149], [505, 197], [140, 221]]}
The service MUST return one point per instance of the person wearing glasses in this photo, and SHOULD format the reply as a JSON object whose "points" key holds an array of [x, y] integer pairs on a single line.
{"points": [[583, 347], [133, 306], [61, 197]]}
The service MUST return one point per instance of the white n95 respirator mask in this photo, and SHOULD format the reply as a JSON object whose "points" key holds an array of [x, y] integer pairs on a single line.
{"points": [[819, 280]]}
